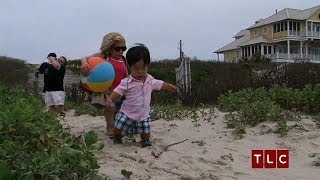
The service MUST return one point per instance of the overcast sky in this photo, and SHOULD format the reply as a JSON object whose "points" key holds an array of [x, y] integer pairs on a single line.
{"points": [[30, 29]]}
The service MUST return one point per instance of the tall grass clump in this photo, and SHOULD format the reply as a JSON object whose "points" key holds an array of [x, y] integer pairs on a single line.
{"points": [[250, 107], [33, 144]]}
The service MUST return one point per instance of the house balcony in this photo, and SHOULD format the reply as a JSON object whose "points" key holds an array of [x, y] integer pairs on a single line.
{"points": [[294, 33], [284, 57], [309, 34], [313, 34]]}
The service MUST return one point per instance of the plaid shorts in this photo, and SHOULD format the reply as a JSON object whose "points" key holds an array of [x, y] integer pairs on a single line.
{"points": [[131, 126]]}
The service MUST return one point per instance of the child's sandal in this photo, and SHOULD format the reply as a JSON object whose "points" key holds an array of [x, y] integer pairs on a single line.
{"points": [[117, 140], [62, 114], [145, 143]]}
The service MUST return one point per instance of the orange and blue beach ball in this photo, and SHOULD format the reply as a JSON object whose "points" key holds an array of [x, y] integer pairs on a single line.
{"points": [[101, 75]]}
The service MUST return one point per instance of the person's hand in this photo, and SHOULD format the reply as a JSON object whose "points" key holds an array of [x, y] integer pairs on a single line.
{"points": [[46, 71], [85, 68], [52, 59], [109, 102], [174, 89]]}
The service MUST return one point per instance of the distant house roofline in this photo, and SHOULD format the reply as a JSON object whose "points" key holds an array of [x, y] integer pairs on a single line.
{"points": [[241, 37], [287, 13]]}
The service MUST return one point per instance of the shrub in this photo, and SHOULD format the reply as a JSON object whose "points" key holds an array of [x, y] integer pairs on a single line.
{"points": [[34, 146]]}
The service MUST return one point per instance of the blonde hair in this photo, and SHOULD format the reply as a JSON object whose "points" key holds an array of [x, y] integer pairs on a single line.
{"points": [[109, 40]]}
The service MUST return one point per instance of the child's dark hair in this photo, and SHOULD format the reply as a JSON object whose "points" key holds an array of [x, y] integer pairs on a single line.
{"points": [[52, 55], [136, 53]]}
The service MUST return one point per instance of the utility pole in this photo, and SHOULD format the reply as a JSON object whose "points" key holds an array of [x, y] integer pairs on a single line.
{"points": [[181, 52], [182, 60], [183, 74]]}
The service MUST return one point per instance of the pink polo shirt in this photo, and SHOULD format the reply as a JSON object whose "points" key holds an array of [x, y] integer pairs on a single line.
{"points": [[138, 96]]}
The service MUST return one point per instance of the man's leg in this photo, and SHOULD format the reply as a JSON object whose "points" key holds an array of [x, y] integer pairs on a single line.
{"points": [[52, 109], [58, 99], [48, 100]]}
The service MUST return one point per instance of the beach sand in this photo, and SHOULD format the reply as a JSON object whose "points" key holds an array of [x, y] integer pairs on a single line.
{"points": [[205, 149]]}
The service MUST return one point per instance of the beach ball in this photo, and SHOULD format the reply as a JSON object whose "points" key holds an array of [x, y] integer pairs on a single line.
{"points": [[101, 75]]}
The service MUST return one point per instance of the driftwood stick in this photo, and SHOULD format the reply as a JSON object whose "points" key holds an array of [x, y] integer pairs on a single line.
{"points": [[166, 148]]}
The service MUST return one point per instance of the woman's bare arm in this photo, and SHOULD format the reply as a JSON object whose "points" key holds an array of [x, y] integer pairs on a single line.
{"points": [[85, 69]]}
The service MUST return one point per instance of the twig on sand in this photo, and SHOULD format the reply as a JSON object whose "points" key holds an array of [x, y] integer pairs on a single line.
{"points": [[156, 155]]}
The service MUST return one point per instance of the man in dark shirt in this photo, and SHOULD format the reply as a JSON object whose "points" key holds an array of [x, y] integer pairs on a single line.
{"points": [[43, 69], [54, 72]]}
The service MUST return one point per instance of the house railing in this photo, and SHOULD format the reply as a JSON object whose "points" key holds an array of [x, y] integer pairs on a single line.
{"points": [[294, 56], [313, 34], [294, 33]]}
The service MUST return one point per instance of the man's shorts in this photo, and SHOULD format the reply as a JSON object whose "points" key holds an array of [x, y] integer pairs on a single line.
{"points": [[131, 126], [54, 98]]}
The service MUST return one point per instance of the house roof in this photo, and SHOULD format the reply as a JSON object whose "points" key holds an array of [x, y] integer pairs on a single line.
{"points": [[237, 42], [240, 34], [257, 40], [287, 13]]}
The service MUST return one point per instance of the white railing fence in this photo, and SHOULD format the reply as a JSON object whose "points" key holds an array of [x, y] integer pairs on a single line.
{"points": [[183, 75]]}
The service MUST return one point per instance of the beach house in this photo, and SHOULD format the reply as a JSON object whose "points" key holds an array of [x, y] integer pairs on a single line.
{"points": [[288, 35]]}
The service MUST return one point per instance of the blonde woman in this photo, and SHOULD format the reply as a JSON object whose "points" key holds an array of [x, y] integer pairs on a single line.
{"points": [[112, 48]]}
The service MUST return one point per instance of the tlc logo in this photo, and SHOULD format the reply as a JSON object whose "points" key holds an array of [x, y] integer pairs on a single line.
{"points": [[270, 158]]}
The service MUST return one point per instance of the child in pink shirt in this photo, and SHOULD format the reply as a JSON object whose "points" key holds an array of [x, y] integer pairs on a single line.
{"points": [[133, 116]]}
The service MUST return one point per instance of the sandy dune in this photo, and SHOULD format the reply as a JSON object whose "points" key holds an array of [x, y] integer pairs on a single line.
{"points": [[209, 151]]}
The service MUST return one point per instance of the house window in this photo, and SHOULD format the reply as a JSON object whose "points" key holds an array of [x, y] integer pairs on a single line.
{"points": [[265, 50], [278, 27], [309, 26], [294, 50], [283, 49], [269, 49], [256, 32], [265, 30]]}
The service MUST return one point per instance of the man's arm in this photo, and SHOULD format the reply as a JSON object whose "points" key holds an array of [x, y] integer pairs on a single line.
{"points": [[56, 65], [43, 68]]}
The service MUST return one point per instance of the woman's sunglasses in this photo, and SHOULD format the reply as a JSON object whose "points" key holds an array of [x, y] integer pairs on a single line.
{"points": [[118, 48]]}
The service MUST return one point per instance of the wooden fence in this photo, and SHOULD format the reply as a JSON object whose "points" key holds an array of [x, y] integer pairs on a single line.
{"points": [[183, 75]]}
